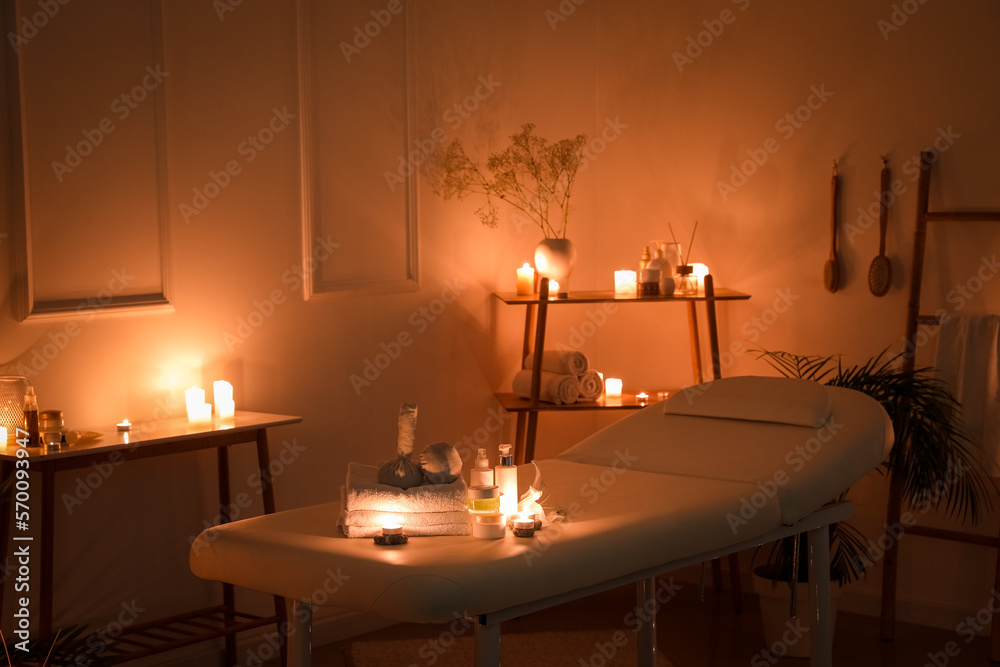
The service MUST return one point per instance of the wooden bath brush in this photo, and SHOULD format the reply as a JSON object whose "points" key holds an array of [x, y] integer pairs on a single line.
{"points": [[880, 272]]}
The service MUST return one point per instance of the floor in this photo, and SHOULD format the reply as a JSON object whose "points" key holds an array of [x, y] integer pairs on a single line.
{"points": [[709, 634]]}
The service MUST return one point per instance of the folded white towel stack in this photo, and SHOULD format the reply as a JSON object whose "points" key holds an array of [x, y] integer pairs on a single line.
{"points": [[555, 388], [562, 362], [428, 509]]}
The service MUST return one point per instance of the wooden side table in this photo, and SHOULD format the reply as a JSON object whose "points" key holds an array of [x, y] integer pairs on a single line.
{"points": [[173, 436]]}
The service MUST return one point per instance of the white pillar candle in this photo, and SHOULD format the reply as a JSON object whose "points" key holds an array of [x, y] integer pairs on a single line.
{"points": [[222, 390], [525, 280], [553, 289], [613, 388], [200, 414], [193, 397], [3, 435], [625, 283], [225, 410]]}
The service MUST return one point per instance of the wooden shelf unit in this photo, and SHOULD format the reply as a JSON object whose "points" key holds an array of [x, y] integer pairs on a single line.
{"points": [[537, 306]]}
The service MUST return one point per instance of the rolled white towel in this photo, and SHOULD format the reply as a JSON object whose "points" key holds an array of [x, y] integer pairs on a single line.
{"points": [[363, 492], [555, 388], [591, 386], [563, 362]]}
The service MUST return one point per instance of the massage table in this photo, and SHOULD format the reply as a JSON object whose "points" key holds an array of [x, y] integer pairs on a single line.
{"points": [[715, 469]]}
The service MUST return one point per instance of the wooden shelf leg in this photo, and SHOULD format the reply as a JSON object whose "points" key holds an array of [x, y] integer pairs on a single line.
{"points": [[695, 343]]}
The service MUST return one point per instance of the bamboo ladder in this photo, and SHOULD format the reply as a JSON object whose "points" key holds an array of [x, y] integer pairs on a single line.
{"points": [[913, 321]]}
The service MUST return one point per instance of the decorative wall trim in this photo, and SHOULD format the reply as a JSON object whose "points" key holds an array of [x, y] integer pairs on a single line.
{"points": [[313, 283], [26, 304]]}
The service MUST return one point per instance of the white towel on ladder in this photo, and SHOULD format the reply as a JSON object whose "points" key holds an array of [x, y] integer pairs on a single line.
{"points": [[968, 359]]}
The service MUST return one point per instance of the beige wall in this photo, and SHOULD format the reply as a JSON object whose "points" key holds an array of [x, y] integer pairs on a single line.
{"points": [[673, 130]]}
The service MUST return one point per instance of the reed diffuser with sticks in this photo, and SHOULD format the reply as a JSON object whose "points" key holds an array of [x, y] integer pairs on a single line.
{"points": [[687, 281]]}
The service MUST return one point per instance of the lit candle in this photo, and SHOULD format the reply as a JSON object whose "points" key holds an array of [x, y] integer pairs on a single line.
{"points": [[625, 283], [199, 414], [553, 289], [392, 529], [392, 535], [124, 425], [524, 525], [642, 398], [613, 388], [225, 410], [525, 280], [222, 390], [193, 397]]}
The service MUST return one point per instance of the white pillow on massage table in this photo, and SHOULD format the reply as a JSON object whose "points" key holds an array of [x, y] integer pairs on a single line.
{"points": [[766, 399]]}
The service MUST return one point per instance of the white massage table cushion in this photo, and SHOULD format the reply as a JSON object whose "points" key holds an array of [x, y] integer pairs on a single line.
{"points": [[620, 520], [802, 466], [767, 399]]}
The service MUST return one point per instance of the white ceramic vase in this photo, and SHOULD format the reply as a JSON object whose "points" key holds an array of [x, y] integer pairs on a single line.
{"points": [[554, 259]]}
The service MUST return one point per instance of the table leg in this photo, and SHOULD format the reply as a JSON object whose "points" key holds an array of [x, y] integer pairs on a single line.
{"points": [[487, 638], [48, 558], [300, 635], [267, 491], [645, 602], [819, 577], [225, 513]]}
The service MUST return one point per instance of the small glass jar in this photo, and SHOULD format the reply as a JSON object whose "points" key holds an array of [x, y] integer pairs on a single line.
{"points": [[484, 499], [687, 281], [50, 420]]}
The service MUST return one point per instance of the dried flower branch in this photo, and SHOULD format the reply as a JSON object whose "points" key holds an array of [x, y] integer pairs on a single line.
{"points": [[531, 175]]}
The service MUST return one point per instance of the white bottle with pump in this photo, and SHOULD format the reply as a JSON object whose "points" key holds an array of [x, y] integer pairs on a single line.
{"points": [[506, 479], [482, 473]]}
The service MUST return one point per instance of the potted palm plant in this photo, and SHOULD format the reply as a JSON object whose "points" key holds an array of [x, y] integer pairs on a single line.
{"points": [[930, 445]]}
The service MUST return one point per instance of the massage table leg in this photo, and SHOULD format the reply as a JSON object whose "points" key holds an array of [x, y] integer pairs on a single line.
{"points": [[487, 636], [300, 635], [819, 576], [645, 602]]}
